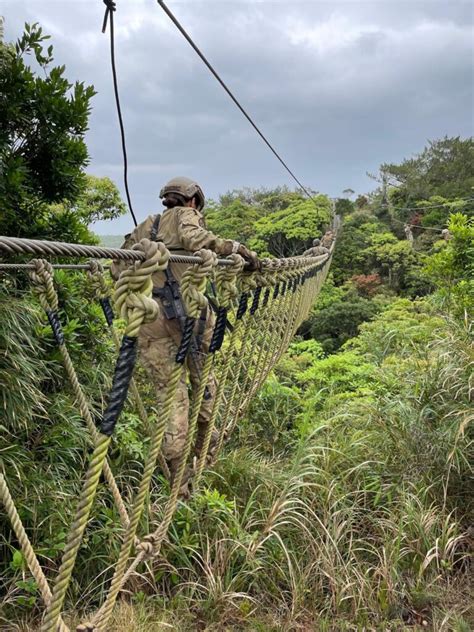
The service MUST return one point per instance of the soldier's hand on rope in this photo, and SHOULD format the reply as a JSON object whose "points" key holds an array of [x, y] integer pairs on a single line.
{"points": [[254, 263]]}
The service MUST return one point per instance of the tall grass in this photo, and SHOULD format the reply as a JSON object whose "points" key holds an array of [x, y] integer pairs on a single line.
{"points": [[358, 517], [364, 524]]}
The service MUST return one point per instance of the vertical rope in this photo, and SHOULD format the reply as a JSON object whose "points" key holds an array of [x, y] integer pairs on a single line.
{"points": [[43, 285], [193, 285], [276, 339], [133, 299], [227, 292], [102, 294], [26, 547]]}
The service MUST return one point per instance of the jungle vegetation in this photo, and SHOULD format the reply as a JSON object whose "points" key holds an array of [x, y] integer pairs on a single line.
{"points": [[345, 499]]}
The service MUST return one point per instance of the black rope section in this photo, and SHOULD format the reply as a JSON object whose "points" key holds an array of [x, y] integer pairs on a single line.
{"points": [[55, 323], [242, 308], [219, 330], [256, 300], [231, 95], [266, 296], [107, 309], [110, 8], [121, 381], [188, 331]]}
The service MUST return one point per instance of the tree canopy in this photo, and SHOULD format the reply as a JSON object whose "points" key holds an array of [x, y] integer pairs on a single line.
{"points": [[445, 167], [278, 222], [44, 191]]}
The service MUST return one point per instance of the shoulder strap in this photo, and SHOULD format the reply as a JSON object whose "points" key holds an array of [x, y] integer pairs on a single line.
{"points": [[155, 227]]}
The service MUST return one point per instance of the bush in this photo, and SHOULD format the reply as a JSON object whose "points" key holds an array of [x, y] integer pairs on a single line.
{"points": [[334, 325]]}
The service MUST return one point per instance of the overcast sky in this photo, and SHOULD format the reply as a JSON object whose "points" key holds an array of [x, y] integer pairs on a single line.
{"points": [[338, 87]]}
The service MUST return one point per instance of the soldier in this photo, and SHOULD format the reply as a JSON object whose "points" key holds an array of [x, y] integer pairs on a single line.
{"points": [[316, 249], [327, 239], [446, 234], [182, 229]]}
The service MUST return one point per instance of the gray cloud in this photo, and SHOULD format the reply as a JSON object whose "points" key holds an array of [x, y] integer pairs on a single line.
{"points": [[339, 87]]}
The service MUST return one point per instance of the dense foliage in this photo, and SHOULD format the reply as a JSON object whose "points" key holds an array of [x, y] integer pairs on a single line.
{"points": [[44, 191], [279, 222]]}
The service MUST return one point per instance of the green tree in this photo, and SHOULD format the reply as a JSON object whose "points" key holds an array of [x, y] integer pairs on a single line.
{"points": [[452, 268], [333, 325], [344, 206], [277, 222], [391, 258], [43, 120], [350, 257], [287, 232], [234, 220], [99, 199], [445, 167]]}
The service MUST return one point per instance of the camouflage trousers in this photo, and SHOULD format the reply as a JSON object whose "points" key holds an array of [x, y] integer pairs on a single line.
{"points": [[158, 343]]}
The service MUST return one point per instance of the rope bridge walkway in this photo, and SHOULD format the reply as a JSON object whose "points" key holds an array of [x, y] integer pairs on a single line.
{"points": [[257, 314]]}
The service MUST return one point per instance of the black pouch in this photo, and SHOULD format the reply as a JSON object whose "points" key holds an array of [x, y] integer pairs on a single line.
{"points": [[167, 301]]}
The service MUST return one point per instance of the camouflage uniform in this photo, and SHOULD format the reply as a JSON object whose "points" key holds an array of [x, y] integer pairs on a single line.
{"points": [[315, 251], [327, 239], [183, 231]]}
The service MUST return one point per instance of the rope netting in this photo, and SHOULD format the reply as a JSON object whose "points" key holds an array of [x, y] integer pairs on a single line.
{"points": [[257, 314]]}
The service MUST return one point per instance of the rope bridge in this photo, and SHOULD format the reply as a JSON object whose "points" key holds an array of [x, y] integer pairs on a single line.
{"points": [[257, 314]]}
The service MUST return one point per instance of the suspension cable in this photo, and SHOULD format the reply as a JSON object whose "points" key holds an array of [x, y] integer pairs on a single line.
{"points": [[430, 206], [434, 228], [231, 95], [110, 8]]}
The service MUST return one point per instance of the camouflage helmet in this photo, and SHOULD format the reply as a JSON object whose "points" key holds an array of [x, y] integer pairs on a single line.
{"points": [[316, 242], [186, 187]]}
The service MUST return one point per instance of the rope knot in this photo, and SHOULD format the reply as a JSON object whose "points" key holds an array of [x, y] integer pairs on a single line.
{"points": [[147, 545], [194, 281], [134, 287], [42, 278], [110, 8], [97, 280], [226, 280]]}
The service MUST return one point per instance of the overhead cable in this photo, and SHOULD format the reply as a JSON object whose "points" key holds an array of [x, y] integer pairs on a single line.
{"points": [[435, 228], [231, 95], [428, 206], [109, 17]]}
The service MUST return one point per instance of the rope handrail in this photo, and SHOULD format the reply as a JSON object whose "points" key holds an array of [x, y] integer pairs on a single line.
{"points": [[55, 266], [41, 247]]}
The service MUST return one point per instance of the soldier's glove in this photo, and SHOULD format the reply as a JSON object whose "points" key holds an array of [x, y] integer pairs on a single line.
{"points": [[254, 263]]}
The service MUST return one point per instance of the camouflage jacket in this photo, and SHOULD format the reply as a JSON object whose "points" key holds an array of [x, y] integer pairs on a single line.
{"points": [[315, 251], [183, 231]]}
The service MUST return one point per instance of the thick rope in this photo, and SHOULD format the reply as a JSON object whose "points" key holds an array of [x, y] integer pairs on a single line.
{"points": [[237, 360], [193, 285], [26, 547], [38, 247], [43, 285], [102, 293], [133, 298], [227, 293]]}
